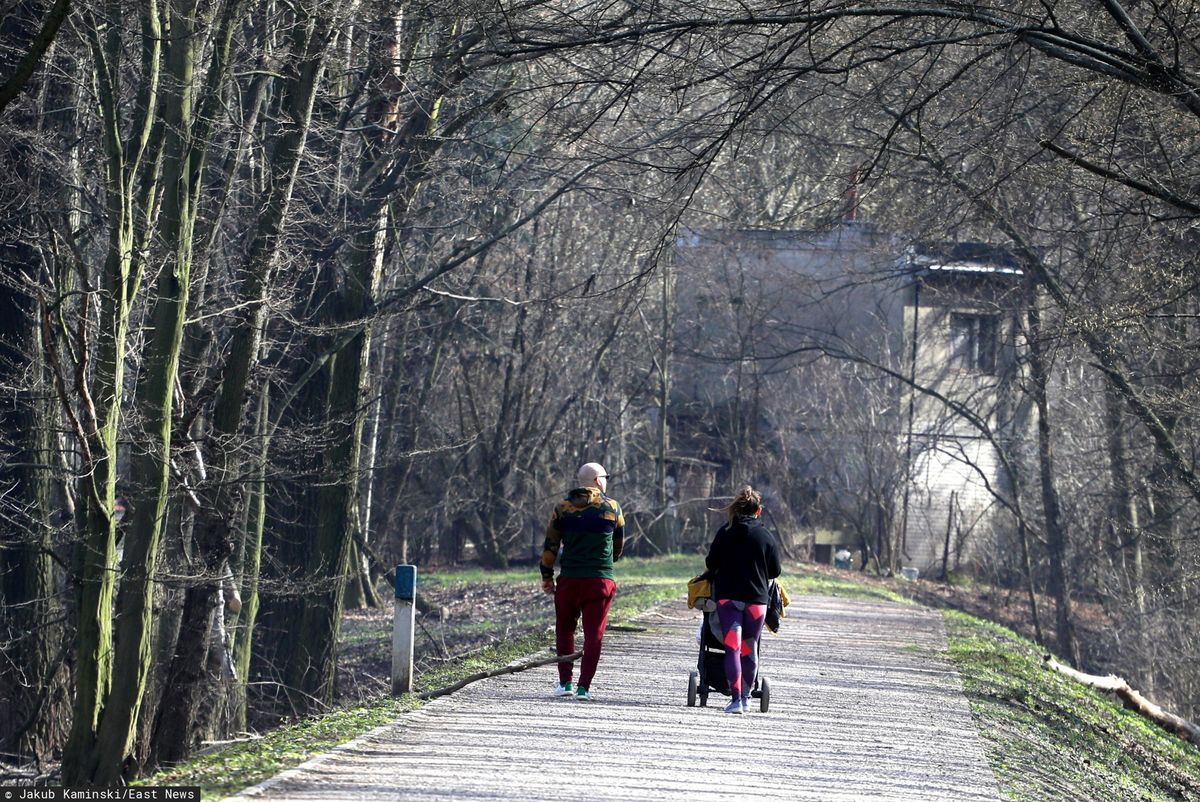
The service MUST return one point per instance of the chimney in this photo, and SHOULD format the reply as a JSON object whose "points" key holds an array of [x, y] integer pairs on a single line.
{"points": [[850, 209]]}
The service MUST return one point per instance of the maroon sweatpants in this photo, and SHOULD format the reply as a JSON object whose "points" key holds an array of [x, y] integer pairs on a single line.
{"points": [[591, 598]]}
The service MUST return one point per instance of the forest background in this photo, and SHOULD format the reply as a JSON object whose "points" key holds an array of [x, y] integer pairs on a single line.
{"points": [[293, 291]]}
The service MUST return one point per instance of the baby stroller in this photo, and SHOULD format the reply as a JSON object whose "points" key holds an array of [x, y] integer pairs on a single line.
{"points": [[709, 674]]}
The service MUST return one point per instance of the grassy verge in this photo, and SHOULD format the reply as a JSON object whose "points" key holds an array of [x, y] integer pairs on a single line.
{"points": [[806, 581], [646, 583], [239, 765], [1050, 737]]}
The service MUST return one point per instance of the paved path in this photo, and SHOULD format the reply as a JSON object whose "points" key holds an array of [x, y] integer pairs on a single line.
{"points": [[863, 707]]}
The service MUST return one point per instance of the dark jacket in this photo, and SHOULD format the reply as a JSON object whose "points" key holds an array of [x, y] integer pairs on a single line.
{"points": [[743, 559]]}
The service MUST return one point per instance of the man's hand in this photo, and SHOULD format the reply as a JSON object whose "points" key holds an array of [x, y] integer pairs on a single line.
{"points": [[548, 586]]}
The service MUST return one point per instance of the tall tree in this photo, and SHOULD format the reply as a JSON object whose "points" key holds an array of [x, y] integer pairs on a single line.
{"points": [[132, 146], [225, 495]]}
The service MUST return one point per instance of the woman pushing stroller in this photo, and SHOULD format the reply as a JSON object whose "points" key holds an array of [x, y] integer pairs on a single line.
{"points": [[742, 560]]}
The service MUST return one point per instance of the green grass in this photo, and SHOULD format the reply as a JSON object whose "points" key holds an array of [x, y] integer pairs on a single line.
{"points": [[645, 583], [250, 762], [1050, 737], [658, 570], [803, 582]]}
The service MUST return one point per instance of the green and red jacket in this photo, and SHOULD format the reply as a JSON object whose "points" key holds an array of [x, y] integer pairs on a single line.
{"points": [[590, 529]]}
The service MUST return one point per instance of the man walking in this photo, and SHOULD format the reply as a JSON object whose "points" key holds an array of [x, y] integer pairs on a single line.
{"points": [[590, 529]]}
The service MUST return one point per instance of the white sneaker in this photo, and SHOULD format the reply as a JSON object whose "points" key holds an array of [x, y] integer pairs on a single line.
{"points": [[582, 695], [735, 707], [564, 689]]}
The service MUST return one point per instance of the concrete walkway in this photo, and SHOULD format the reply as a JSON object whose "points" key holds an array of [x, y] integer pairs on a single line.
{"points": [[863, 707]]}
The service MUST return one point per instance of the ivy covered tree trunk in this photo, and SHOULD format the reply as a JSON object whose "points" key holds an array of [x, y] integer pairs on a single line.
{"points": [[190, 678], [154, 399], [129, 152]]}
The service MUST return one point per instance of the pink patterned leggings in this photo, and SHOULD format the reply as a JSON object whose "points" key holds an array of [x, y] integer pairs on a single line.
{"points": [[742, 624]]}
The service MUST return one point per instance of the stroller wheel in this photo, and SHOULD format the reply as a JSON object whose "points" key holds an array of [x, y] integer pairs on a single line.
{"points": [[764, 695], [693, 687]]}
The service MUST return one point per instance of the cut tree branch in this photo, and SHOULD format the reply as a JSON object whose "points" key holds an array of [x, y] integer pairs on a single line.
{"points": [[1131, 699], [462, 683]]}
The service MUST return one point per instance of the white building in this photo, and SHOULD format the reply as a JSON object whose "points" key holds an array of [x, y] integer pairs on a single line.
{"points": [[873, 384]]}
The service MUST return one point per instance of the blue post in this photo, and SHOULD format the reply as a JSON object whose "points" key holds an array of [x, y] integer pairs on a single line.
{"points": [[406, 582], [403, 628]]}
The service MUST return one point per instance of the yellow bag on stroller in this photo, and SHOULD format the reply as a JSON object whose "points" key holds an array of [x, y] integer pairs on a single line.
{"points": [[699, 588]]}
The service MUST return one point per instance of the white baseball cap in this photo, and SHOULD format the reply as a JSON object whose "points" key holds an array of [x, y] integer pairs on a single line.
{"points": [[589, 472]]}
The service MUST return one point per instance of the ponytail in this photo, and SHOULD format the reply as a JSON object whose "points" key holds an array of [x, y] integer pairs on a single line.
{"points": [[748, 501]]}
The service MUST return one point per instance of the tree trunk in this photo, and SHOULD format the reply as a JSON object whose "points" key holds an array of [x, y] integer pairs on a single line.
{"points": [[188, 679], [1030, 588], [31, 688], [663, 438], [365, 583], [154, 401], [246, 572], [1056, 534], [1131, 699], [1127, 535], [312, 668], [96, 556], [168, 612]]}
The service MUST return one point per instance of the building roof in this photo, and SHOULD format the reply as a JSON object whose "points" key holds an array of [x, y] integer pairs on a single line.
{"points": [[847, 234], [962, 257]]}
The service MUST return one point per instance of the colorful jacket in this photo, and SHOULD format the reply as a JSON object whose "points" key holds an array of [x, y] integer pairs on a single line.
{"points": [[590, 529]]}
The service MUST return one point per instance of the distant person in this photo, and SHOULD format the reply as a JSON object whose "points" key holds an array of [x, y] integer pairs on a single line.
{"points": [[743, 559], [590, 529]]}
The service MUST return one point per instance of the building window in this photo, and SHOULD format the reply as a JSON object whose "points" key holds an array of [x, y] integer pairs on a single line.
{"points": [[973, 342]]}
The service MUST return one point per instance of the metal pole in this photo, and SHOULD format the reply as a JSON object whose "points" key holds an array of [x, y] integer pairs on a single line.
{"points": [[908, 445], [403, 626]]}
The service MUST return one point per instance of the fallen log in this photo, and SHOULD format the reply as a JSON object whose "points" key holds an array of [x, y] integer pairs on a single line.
{"points": [[1131, 699], [462, 683]]}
